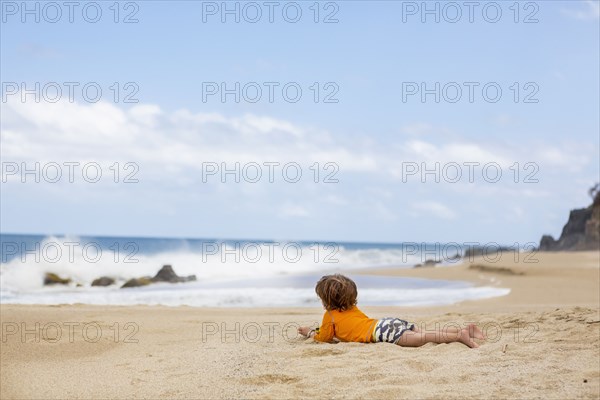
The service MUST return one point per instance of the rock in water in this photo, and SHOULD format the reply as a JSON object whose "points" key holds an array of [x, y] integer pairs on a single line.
{"points": [[135, 282], [166, 274], [53, 279], [428, 263], [582, 230], [103, 281]]}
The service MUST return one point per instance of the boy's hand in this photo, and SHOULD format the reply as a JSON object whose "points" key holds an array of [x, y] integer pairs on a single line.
{"points": [[303, 330]]}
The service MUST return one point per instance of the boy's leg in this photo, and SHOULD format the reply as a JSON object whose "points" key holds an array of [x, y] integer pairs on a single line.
{"points": [[416, 339], [474, 331]]}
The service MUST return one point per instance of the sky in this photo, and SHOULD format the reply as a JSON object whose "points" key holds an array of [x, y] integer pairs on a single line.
{"points": [[378, 121]]}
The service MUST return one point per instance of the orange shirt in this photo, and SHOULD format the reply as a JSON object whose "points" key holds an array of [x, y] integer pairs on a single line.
{"points": [[348, 326]]}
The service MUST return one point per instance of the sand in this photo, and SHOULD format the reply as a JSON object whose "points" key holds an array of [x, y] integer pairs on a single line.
{"points": [[544, 342]]}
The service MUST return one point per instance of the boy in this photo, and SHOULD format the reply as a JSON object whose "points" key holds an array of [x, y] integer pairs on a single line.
{"points": [[347, 323]]}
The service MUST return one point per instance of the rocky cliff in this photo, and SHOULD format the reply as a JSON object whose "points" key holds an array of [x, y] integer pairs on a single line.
{"points": [[582, 230]]}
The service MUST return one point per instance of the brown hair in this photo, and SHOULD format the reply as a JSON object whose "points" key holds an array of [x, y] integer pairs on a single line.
{"points": [[337, 292]]}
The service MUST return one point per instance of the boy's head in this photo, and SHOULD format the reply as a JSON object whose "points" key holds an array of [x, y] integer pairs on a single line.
{"points": [[337, 292]]}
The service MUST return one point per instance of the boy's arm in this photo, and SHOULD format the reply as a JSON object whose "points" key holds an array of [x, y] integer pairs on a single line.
{"points": [[326, 331]]}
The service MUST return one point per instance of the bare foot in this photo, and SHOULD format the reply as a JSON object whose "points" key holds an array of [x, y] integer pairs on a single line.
{"points": [[475, 332], [466, 339]]}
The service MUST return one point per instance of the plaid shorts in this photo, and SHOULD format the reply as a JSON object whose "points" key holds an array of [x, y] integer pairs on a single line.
{"points": [[390, 329]]}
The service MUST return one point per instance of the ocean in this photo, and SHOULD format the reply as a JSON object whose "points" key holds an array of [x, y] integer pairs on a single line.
{"points": [[230, 273]]}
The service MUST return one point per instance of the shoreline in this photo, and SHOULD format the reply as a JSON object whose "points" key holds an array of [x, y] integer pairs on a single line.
{"points": [[277, 291], [533, 285]]}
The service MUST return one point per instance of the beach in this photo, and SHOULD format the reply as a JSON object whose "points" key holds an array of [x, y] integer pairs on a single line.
{"points": [[543, 342], [191, 192]]}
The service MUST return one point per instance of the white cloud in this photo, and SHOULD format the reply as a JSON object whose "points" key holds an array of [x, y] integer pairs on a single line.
{"points": [[171, 145], [382, 212], [454, 152], [178, 142], [589, 11], [146, 115], [428, 208], [145, 133], [293, 210], [567, 158], [336, 200], [32, 49], [503, 120], [251, 124]]}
